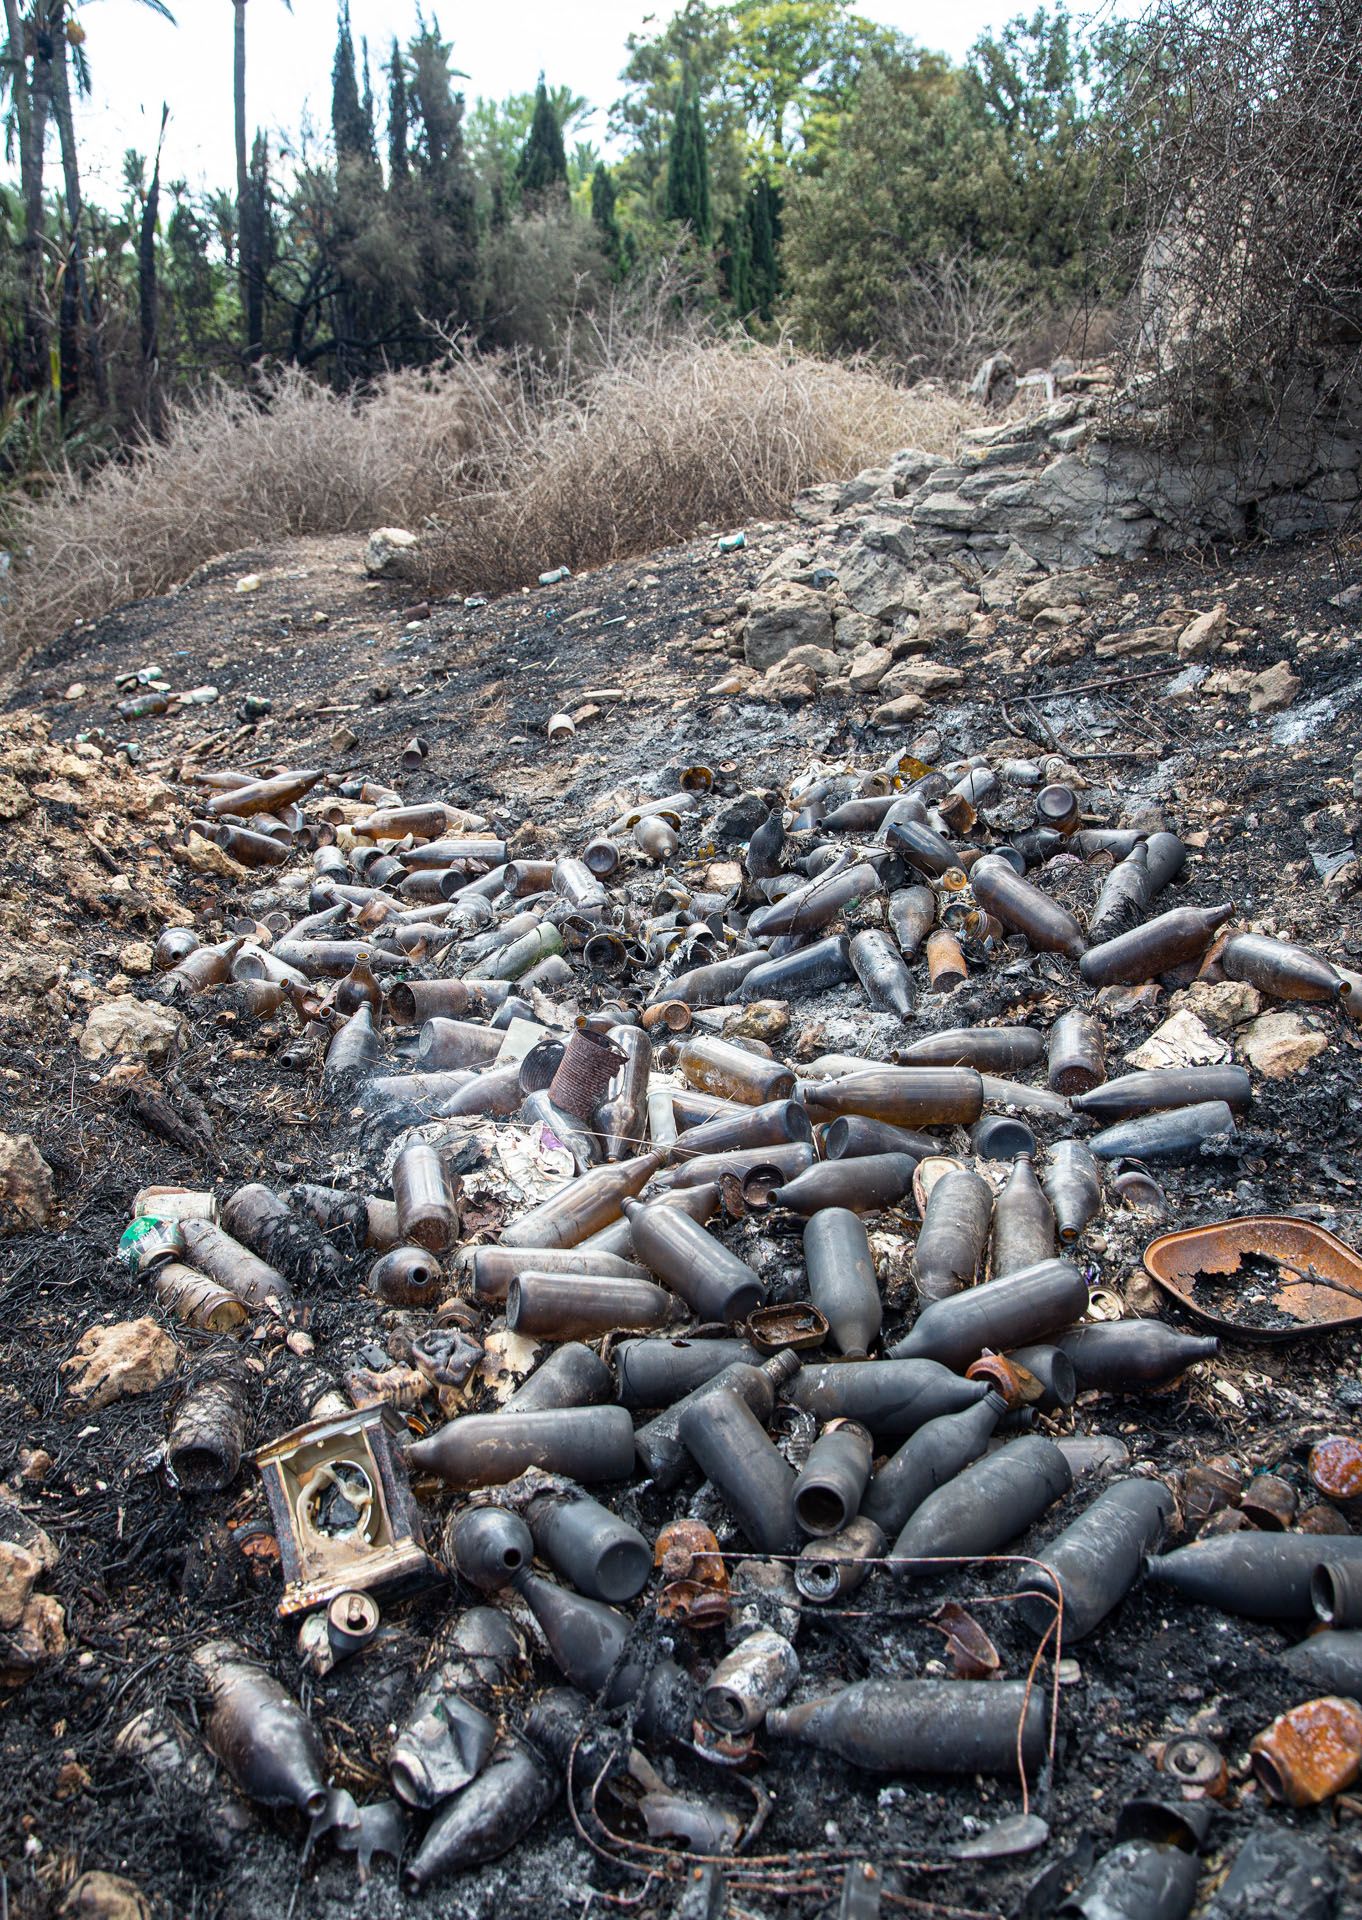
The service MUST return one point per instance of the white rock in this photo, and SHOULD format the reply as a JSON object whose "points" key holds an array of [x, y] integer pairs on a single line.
{"points": [[1280, 1044], [385, 547], [131, 1028]]}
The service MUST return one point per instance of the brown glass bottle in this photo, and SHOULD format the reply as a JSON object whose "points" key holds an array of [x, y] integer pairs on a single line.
{"points": [[426, 1211], [264, 796], [865, 1184], [1155, 948], [622, 1117], [912, 915], [1073, 1187], [718, 1066], [1156, 1089], [989, 1049], [881, 971], [444, 1043], [1278, 967], [585, 1306], [1077, 1052], [954, 1233], [588, 1444], [904, 1096], [714, 1283], [1048, 927], [584, 1206], [1023, 1223], [233, 1266], [842, 1282]]}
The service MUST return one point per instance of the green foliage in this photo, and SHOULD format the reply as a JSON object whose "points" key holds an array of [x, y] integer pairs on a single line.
{"points": [[603, 216], [542, 166], [688, 169], [352, 128]]}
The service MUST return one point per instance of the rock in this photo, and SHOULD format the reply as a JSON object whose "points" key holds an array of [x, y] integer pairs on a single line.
{"points": [[39, 1636], [762, 1020], [875, 582], [1229, 680], [135, 1029], [19, 1570], [736, 680], [385, 548], [28, 975], [791, 686], [900, 712], [928, 679], [822, 662], [868, 668], [136, 958], [1280, 1044], [26, 1188], [739, 820], [855, 630], [1203, 637], [1274, 690], [996, 380], [1220, 1005], [724, 876], [119, 1362], [206, 856], [105, 1896], [1181, 1041], [1057, 592], [782, 617]]}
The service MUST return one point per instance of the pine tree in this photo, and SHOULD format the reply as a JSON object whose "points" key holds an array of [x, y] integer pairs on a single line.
{"points": [[543, 159], [399, 162], [688, 168], [603, 198]]}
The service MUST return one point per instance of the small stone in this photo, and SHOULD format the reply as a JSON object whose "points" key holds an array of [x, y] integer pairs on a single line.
{"points": [[72, 1779], [822, 662], [928, 679], [39, 1636], [105, 1896], [136, 958], [724, 876], [1274, 690], [35, 1463], [791, 686], [1280, 1044], [248, 583], [740, 818], [119, 1362], [127, 1027], [761, 1020], [28, 974], [784, 616], [1203, 637], [1220, 1005], [899, 713], [19, 1570], [736, 680], [385, 548], [206, 856], [868, 668], [26, 1186]]}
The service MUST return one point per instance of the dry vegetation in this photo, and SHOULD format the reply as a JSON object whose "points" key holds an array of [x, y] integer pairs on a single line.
{"points": [[510, 467]]}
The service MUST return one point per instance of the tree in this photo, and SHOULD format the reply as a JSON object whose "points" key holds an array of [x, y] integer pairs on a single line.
{"points": [[604, 218], [399, 163], [248, 266], [542, 167], [763, 224], [688, 169], [497, 131], [352, 128], [30, 105]]}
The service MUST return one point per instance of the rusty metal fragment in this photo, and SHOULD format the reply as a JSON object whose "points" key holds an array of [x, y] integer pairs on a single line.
{"points": [[1262, 1276]]}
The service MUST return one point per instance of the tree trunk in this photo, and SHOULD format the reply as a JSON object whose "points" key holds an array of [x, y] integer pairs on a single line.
{"points": [[247, 227], [148, 292], [32, 99], [66, 129]]}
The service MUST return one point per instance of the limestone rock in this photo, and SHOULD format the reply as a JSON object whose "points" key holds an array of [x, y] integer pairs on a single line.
{"points": [[900, 712], [1273, 690], [136, 958], [119, 1362], [26, 1189], [1220, 1005], [868, 668], [822, 662], [1203, 637], [385, 548], [206, 856], [874, 582], [1280, 1044], [39, 1636], [782, 617], [131, 1028], [105, 1896], [855, 630], [19, 1570], [761, 1020], [791, 686], [996, 380], [1057, 592], [1182, 1041], [928, 679]]}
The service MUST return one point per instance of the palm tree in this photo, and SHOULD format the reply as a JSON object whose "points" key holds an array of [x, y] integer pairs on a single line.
{"points": [[248, 225], [30, 102]]}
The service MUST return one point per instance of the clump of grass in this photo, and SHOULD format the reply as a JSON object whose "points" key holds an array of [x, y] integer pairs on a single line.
{"points": [[506, 466]]}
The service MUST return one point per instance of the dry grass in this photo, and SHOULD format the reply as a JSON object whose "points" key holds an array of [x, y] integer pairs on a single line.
{"points": [[508, 469]]}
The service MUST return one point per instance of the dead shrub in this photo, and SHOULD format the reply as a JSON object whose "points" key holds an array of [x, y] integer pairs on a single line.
{"points": [[627, 441]]}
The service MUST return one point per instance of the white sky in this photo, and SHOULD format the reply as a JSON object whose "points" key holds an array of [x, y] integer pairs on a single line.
{"points": [[138, 60]]}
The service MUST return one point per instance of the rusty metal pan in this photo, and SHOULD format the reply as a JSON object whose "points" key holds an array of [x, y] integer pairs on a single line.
{"points": [[1260, 1277]]}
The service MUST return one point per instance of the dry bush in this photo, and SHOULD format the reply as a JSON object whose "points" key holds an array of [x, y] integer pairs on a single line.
{"points": [[651, 445], [1246, 127], [948, 314], [633, 439]]}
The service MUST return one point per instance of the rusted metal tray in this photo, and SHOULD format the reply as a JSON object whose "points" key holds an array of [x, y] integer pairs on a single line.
{"points": [[1260, 1277]]}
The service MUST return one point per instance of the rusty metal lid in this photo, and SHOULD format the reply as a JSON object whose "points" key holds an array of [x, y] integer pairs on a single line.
{"points": [[1260, 1277]]}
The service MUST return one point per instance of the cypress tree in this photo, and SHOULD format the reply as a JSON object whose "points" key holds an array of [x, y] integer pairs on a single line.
{"points": [[763, 220], [399, 163], [735, 264], [688, 168], [603, 197], [543, 158], [351, 128]]}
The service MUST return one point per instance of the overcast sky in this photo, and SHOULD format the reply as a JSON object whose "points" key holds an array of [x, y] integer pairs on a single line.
{"points": [[138, 60]]}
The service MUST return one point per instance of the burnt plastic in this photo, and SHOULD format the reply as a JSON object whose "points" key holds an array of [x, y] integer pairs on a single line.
{"points": [[842, 1283], [830, 1484], [731, 1447], [1024, 1309], [488, 1449], [923, 1726], [450, 1730], [1097, 1559], [985, 1506], [489, 1817], [953, 1235], [1276, 1871], [1135, 1881]]}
